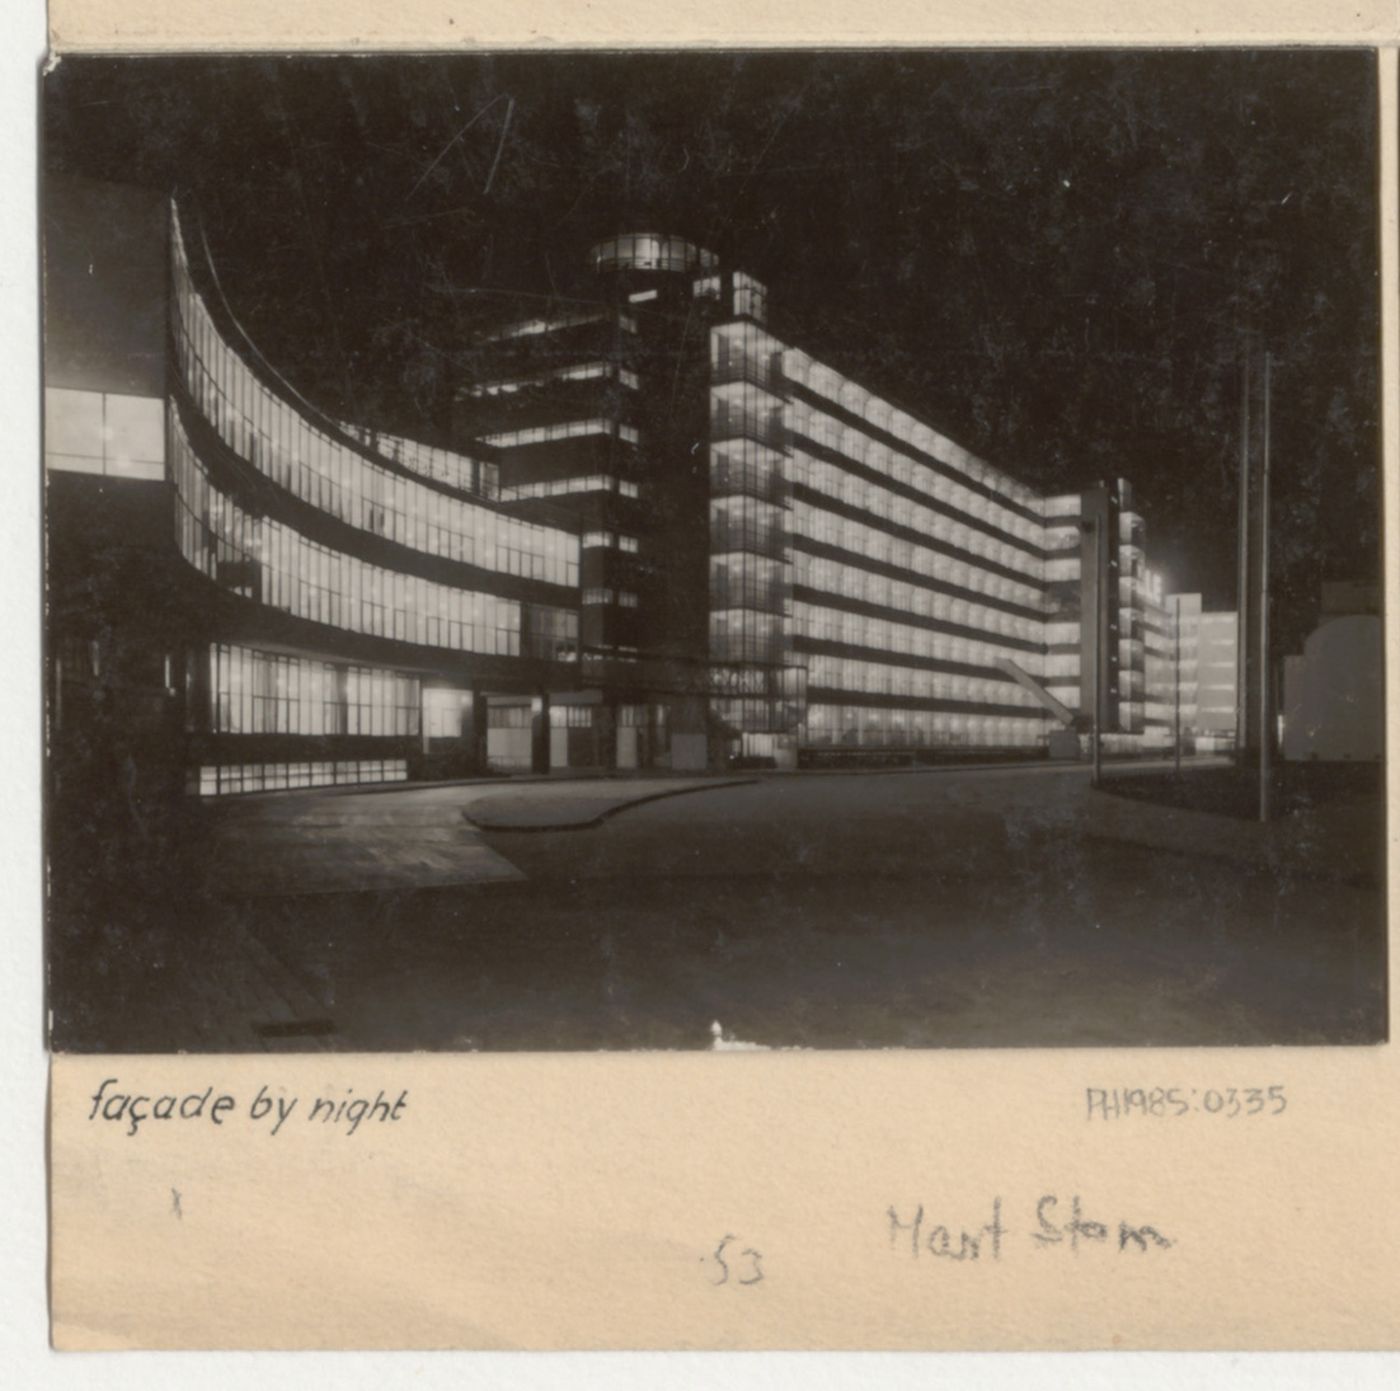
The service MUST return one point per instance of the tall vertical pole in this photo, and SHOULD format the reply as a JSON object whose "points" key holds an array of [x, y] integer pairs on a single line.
{"points": [[1265, 736], [1242, 571], [1176, 628], [1100, 580]]}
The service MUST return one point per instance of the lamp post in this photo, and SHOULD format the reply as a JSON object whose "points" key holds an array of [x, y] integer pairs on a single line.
{"points": [[1242, 574], [1100, 582], [1098, 527], [1176, 684], [1265, 734]]}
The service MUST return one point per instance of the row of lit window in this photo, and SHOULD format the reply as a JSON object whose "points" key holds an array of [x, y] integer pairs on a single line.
{"points": [[820, 624], [1055, 665], [571, 717], [748, 297], [529, 328], [277, 777], [649, 251], [870, 543], [429, 461], [280, 442], [899, 510], [740, 522], [733, 564], [745, 635], [853, 726], [564, 430], [882, 678], [740, 409], [741, 466], [752, 717], [749, 579], [523, 717], [853, 582], [742, 580], [562, 487], [550, 632], [575, 372], [610, 540], [269, 562], [855, 400], [252, 692], [737, 395], [742, 352], [623, 597], [787, 682], [821, 429]]}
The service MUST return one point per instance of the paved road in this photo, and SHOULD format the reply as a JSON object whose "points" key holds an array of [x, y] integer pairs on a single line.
{"points": [[987, 908]]}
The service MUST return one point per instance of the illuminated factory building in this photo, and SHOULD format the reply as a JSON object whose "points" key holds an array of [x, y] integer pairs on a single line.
{"points": [[653, 534]]}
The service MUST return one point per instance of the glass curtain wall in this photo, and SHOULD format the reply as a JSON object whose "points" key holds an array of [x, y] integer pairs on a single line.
{"points": [[750, 586], [254, 692], [283, 444], [267, 561], [952, 551]]}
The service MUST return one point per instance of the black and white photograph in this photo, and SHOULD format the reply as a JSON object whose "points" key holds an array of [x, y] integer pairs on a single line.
{"points": [[713, 551]]}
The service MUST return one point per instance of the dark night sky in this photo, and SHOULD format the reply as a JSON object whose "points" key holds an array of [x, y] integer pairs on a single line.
{"points": [[1050, 256]]}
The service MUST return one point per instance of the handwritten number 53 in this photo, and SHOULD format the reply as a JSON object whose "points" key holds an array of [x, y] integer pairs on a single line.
{"points": [[744, 1267]]}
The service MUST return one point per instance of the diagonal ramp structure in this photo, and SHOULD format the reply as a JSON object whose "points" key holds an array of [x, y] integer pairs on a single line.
{"points": [[1023, 678]]}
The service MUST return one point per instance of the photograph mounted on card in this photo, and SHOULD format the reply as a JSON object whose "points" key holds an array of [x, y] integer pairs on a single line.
{"points": [[699, 550], [719, 697]]}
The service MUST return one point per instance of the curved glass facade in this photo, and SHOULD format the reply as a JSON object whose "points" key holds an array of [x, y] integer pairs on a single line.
{"points": [[267, 561], [284, 445], [458, 471]]}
